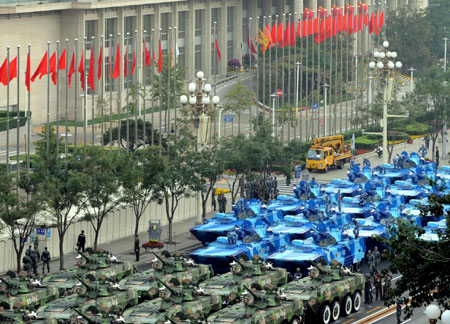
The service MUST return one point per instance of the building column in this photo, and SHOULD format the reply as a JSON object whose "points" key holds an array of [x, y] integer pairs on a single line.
{"points": [[253, 13], [237, 31], [222, 68], [190, 45], [139, 40], [207, 41]]}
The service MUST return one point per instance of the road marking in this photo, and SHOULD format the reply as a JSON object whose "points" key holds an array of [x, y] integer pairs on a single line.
{"points": [[372, 310], [348, 321], [372, 316]]}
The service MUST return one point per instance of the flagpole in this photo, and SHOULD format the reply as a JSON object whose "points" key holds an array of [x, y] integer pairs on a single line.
{"points": [[167, 127], [160, 96], [312, 77], [257, 80], [346, 72], [76, 96], [332, 27], [270, 65], [216, 62], [48, 99], [136, 108], [111, 84], [307, 121], [319, 75], [289, 81], [92, 92], [125, 81], [7, 108], [57, 97], [28, 122], [286, 22], [296, 81], [264, 70], [250, 66], [336, 71], [300, 90], [152, 71], [275, 131], [17, 110], [85, 95], [341, 64], [175, 57], [66, 115], [144, 86], [102, 90], [119, 110]]}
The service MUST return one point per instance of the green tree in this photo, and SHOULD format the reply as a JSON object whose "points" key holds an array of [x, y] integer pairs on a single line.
{"points": [[139, 181], [238, 100], [133, 145], [62, 184], [423, 265], [209, 166], [164, 93], [19, 204], [103, 171], [177, 178], [413, 43]]}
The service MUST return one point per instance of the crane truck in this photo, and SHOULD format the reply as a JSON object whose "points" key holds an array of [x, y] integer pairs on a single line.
{"points": [[328, 152]]}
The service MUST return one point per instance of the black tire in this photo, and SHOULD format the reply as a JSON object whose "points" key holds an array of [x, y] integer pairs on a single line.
{"points": [[325, 314], [347, 306], [357, 266], [326, 169], [340, 165], [356, 299], [335, 311]]}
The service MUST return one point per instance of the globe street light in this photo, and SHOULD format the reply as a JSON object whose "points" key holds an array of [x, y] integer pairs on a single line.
{"points": [[384, 65], [432, 312], [445, 317], [200, 104]]}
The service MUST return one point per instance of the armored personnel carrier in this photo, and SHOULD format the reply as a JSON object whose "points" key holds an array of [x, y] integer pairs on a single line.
{"points": [[328, 292], [231, 285], [103, 265], [22, 293], [260, 306], [178, 303], [165, 268]]}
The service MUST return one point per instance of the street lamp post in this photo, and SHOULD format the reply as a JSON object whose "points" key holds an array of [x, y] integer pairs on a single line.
{"points": [[200, 103], [412, 78], [274, 98], [385, 65]]}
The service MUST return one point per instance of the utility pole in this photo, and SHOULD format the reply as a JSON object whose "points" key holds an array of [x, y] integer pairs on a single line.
{"points": [[412, 78]]}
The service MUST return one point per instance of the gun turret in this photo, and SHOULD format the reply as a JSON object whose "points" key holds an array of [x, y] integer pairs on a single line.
{"points": [[243, 266], [83, 283], [85, 257], [159, 258], [173, 292]]}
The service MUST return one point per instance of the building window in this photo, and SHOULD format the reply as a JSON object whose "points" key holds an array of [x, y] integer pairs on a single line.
{"points": [[149, 23], [199, 17], [182, 20], [230, 49], [230, 19], [198, 57], [166, 22], [110, 29], [130, 26]]}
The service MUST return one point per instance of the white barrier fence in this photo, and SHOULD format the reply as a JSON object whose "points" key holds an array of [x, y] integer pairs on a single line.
{"points": [[117, 224]]}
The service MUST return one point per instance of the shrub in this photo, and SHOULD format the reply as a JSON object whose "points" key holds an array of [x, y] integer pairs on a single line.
{"points": [[364, 142], [234, 63]]}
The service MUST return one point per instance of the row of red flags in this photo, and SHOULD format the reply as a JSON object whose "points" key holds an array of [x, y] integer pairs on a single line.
{"points": [[322, 27], [50, 66]]}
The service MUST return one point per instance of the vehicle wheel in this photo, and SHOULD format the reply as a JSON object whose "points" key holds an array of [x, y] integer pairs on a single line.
{"points": [[325, 314], [356, 301], [357, 266], [295, 320], [309, 170], [326, 169], [335, 311], [347, 306], [340, 164]]}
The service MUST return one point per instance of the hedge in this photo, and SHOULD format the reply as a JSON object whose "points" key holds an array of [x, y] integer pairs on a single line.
{"points": [[348, 135], [12, 113], [12, 123], [414, 129], [364, 142]]}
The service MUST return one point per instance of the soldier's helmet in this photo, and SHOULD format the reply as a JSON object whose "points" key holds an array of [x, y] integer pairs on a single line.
{"points": [[335, 264], [165, 254], [247, 298], [243, 257], [236, 267], [256, 258], [314, 273]]}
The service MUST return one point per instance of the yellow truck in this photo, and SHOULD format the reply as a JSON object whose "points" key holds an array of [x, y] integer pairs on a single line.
{"points": [[327, 152]]}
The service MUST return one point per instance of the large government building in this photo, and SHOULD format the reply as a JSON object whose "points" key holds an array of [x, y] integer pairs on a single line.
{"points": [[192, 23]]}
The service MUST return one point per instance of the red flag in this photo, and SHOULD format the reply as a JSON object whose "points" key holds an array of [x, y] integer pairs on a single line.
{"points": [[125, 63], [61, 65], [160, 58], [366, 19], [4, 72], [100, 64], [280, 35], [116, 71], [267, 33], [381, 24], [219, 55], [146, 55], [253, 48], [339, 21], [375, 24], [329, 27], [299, 28], [81, 70], [41, 69], [350, 20], [344, 22], [310, 23], [28, 73], [293, 34], [320, 37], [287, 34], [71, 68], [62, 61], [371, 24], [360, 17], [133, 65], [316, 25], [91, 74], [273, 34]]}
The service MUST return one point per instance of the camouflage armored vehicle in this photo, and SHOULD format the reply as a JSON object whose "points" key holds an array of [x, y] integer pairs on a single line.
{"points": [[93, 298], [165, 268], [176, 303], [102, 264], [328, 292], [261, 307], [243, 273], [21, 293]]}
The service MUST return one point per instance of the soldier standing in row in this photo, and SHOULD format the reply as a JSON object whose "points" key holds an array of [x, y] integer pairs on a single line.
{"points": [[298, 274], [377, 256], [81, 242], [33, 260], [213, 199], [387, 286], [378, 285], [371, 262], [339, 200], [45, 260], [222, 202], [368, 290]]}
